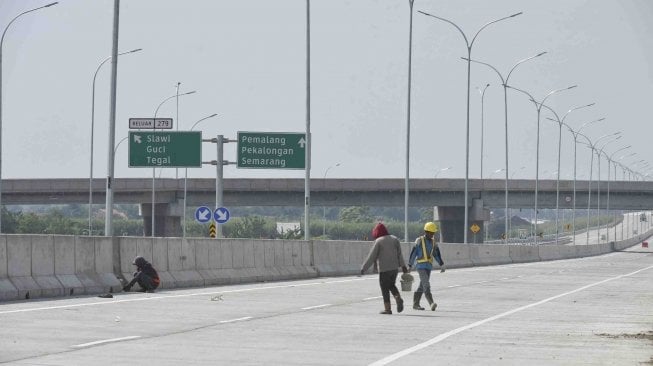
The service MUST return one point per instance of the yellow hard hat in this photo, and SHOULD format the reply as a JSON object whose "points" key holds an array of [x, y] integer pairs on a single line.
{"points": [[431, 227]]}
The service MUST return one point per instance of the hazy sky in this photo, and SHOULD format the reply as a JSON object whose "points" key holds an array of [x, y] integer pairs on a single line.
{"points": [[246, 60]]}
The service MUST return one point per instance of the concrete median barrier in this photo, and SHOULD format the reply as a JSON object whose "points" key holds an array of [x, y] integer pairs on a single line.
{"points": [[524, 253], [58, 265], [489, 254]]}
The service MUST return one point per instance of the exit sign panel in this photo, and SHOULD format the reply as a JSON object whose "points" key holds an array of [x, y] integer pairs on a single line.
{"points": [[180, 149]]}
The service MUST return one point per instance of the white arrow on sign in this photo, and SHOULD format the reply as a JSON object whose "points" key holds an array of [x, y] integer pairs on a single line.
{"points": [[302, 142], [222, 215], [137, 138], [204, 215]]}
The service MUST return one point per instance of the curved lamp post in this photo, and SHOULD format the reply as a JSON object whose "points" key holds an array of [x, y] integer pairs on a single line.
{"points": [[560, 121], [154, 169], [410, 57], [592, 147], [2, 39], [599, 152], [469, 45], [504, 83], [482, 92], [186, 178], [576, 133], [90, 175], [610, 160], [538, 107], [324, 207]]}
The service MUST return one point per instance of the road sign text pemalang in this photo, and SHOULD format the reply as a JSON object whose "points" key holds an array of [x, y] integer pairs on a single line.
{"points": [[271, 150]]}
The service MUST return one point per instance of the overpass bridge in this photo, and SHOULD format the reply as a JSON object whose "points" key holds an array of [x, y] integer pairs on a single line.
{"points": [[446, 194]]}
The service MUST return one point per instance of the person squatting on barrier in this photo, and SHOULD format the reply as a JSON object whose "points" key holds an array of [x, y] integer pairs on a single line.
{"points": [[145, 275], [386, 251], [425, 249]]}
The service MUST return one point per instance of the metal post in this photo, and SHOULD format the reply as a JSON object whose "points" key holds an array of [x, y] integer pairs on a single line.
{"points": [[309, 143], [219, 177], [186, 179], [504, 83], [469, 45], [90, 175], [538, 106], [177, 119], [406, 180], [108, 223]]}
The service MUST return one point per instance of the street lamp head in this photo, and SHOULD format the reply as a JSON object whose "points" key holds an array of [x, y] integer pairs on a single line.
{"points": [[514, 15], [135, 50], [190, 92], [49, 5], [540, 54], [571, 87]]}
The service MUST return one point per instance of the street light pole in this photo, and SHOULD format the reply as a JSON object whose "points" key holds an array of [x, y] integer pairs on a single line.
{"points": [[504, 83], [324, 207], [90, 175], [560, 123], [538, 106], [1, 42], [469, 45], [575, 134], [154, 169], [482, 92], [599, 152], [406, 180], [592, 147], [610, 160], [186, 179], [176, 119]]}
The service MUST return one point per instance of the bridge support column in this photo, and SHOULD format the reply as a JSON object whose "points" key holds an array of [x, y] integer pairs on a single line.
{"points": [[167, 219], [452, 222]]}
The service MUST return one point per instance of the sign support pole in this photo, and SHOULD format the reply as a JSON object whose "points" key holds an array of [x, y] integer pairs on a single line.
{"points": [[219, 178]]}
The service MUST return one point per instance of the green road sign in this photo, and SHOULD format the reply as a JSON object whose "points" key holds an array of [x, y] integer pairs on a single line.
{"points": [[180, 149], [271, 150]]}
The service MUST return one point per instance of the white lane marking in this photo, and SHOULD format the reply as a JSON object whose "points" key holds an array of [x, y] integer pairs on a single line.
{"points": [[443, 336], [316, 307], [372, 298], [105, 341], [452, 286], [211, 293], [236, 320]]}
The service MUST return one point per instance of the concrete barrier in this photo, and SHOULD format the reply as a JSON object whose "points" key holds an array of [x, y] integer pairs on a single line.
{"points": [[549, 252], [524, 253], [58, 265], [489, 254], [7, 289], [456, 255]]}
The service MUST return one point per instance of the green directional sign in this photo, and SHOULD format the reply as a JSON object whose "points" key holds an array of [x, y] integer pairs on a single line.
{"points": [[176, 149], [271, 150]]}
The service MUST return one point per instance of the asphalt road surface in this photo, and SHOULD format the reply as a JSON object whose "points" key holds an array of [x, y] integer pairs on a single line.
{"points": [[589, 311]]}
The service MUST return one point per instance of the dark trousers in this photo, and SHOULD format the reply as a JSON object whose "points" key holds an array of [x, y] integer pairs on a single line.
{"points": [[387, 281], [144, 281]]}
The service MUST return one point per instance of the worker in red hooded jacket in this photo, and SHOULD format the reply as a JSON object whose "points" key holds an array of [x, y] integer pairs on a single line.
{"points": [[386, 251]]}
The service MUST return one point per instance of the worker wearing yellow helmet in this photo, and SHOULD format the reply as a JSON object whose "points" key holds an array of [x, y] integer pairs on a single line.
{"points": [[421, 257]]}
